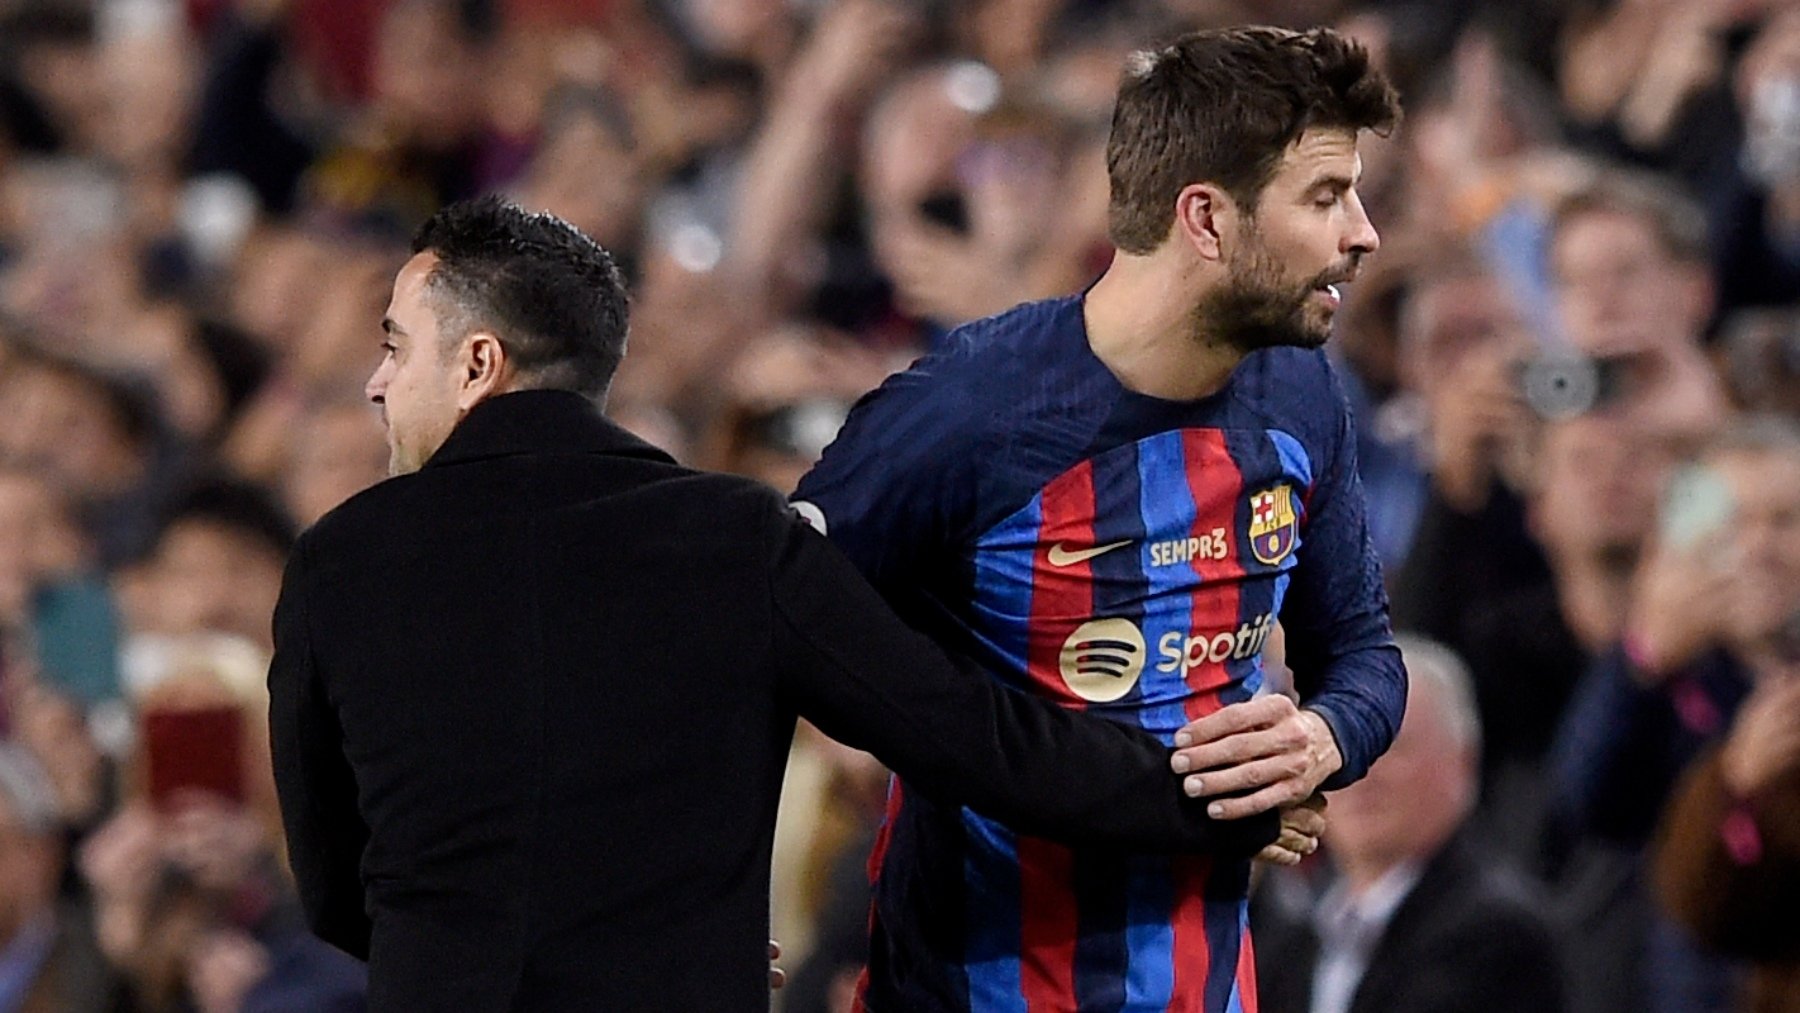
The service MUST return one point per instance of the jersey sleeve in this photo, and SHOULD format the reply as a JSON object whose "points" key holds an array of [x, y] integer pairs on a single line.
{"points": [[1340, 643], [899, 481]]}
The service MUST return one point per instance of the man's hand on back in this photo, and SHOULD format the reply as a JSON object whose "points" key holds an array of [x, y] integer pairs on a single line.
{"points": [[1269, 751], [1301, 827]]}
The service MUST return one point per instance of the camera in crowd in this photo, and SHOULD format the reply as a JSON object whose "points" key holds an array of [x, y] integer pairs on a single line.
{"points": [[1563, 384]]}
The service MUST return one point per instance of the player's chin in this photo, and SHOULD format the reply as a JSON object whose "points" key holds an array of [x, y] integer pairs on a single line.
{"points": [[1312, 330], [1315, 324]]}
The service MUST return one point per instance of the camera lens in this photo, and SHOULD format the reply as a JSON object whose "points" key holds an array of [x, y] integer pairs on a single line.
{"points": [[1559, 387]]}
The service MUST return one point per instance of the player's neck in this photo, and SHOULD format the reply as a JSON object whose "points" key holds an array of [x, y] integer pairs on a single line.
{"points": [[1140, 325]]}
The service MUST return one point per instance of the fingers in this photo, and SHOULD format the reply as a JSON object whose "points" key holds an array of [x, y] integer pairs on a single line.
{"points": [[1297, 844], [1289, 737], [1302, 826], [1234, 718], [1303, 821], [1272, 797], [1275, 854], [1246, 776]]}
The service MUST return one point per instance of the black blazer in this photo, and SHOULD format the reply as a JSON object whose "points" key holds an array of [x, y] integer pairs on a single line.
{"points": [[1467, 939], [531, 706]]}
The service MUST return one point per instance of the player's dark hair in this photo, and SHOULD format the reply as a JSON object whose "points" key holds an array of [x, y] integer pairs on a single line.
{"points": [[553, 297], [1222, 107]]}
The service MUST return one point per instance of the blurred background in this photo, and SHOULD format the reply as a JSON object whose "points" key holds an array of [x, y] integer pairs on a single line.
{"points": [[1575, 366]]}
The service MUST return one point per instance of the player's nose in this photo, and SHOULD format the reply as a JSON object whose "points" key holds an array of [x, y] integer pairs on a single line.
{"points": [[1361, 237]]}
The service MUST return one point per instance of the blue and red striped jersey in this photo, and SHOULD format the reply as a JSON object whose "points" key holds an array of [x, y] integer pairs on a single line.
{"points": [[1120, 554]]}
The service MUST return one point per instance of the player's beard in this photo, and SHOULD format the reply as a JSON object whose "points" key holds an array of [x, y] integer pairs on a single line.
{"points": [[1259, 307]]}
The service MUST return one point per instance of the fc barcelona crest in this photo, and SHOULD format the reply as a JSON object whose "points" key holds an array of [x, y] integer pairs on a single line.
{"points": [[1273, 527]]}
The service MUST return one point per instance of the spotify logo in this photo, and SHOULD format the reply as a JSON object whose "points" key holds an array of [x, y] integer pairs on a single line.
{"points": [[1102, 659]]}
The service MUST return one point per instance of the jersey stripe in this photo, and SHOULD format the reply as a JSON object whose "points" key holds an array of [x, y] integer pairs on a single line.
{"points": [[1226, 891], [1217, 487], [1047, 906], [1191, 961], [1246, 976], [1004, 567], [1061, 596], [992, 880], [1103, 879], [1167, 505], [877, 857]]}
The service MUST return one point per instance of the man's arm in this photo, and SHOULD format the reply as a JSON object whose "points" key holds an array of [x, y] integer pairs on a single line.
{"points": [[852, 668], [1341, 648], [325, 831], [1339, 642]]}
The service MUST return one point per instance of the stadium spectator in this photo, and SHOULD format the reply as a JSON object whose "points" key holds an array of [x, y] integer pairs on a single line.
{"points": [[1729, 860], [53, 598], [47, 948], [1703, 627], [96, 437], [1419, 917], [191, 905]]}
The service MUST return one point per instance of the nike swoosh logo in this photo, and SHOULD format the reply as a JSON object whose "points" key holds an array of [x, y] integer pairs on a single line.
{"points": [[1060, 556]]}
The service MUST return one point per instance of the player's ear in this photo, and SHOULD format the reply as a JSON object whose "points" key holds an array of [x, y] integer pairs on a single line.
{"points": [[1204, 214]]}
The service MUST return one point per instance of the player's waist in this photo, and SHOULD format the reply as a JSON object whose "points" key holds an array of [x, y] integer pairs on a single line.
{"points": [[957, 856]]}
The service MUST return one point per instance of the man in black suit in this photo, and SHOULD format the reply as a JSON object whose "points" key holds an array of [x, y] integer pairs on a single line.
{"points": [[532, 698], [1418, 920]]}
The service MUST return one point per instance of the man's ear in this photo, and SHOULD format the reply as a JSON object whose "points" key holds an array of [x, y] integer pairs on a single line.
{"points": [[485, 369], [1204, 216]]}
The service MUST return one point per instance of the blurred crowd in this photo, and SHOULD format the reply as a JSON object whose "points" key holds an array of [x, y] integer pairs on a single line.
{"points": [[1575, 366]]}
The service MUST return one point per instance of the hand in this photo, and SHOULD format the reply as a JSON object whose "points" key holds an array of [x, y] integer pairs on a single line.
{"points": [[215, 841], [1276, 752], [940, 275], [1301, 827], [120, 863], [222, 969], [1764, 744], [854, 47], [1476, 415], [54, 730], [1680, 604], [777, 977], [120, 860]]}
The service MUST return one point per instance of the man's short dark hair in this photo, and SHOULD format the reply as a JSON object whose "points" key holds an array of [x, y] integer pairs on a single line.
{"points": [[130, 407], [1223, 106], [553, 297], [234, 505]]}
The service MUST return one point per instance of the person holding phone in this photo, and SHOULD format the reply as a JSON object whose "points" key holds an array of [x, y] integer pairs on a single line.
{"points": [[1710, 625]]}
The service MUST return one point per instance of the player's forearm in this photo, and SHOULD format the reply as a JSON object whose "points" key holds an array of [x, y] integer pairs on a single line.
{"points": [[1361, 695]]}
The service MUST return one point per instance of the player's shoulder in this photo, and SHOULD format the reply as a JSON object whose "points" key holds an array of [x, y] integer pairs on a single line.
{"points": [[995, 354], [981, 372]]}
